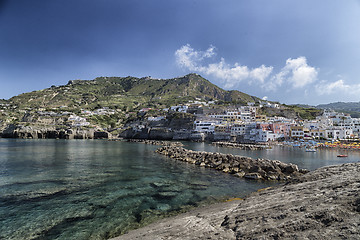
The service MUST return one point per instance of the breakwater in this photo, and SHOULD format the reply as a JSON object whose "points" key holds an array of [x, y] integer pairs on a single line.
{"points": [[156, 142], [241, 145], [240, 166]]}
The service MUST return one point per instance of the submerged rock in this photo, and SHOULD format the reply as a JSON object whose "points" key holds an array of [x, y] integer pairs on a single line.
{"points": [[165, 195]]}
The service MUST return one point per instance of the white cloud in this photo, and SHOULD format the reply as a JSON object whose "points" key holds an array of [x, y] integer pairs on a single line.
{"points": [[337, 87], [297, 76], [261, 73], [296, 72], [231, 75], [187, 57], [265, 98]]}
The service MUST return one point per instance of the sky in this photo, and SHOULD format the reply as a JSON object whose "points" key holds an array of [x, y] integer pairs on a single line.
{"points": [[304, 51]]}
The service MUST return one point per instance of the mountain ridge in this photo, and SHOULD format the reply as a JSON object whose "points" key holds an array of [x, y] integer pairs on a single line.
{"points": [[121, 100], [352, 108], [129, 91]]}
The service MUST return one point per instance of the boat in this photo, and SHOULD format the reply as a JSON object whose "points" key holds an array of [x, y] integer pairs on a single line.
{"points": [[342, 155], [310, 149]]}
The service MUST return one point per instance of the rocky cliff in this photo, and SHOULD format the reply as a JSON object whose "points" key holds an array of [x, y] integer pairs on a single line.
{"points": [[19, 131]]}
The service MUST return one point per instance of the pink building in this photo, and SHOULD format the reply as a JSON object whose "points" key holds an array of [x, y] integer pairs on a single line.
{"points": [[277, 128]]}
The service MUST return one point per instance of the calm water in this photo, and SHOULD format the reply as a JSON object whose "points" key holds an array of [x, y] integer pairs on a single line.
{"points": [[84, 189], [298, 156]]}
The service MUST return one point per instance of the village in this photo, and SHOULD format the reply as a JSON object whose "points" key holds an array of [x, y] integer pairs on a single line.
{"points": [[208, 121], [244, 124]]}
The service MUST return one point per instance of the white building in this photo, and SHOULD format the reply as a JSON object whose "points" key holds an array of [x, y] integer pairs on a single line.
{"points": [[356, 125], [205, 126], [158, 118], [338, 133], [180, 108], [261, 135], [234, 115], [77, 121]]}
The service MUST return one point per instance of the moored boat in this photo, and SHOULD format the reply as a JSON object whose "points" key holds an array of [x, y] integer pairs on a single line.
{"points": [[310, 149]]}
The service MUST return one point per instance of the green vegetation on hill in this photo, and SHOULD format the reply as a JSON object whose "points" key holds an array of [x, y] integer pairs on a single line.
{"points": [[306, 113], [122, 97], [128, 93], [352, 108], [292, 111]]}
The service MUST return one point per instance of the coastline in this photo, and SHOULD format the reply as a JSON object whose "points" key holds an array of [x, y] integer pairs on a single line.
{"points": [[209, 217], [324, 203], [203, 219]]}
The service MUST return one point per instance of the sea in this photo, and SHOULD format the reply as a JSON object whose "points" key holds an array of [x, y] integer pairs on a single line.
{"points": [[98, 189]]}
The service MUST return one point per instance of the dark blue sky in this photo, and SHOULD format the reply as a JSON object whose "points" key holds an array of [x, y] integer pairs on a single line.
{"points": [[290, 51]]}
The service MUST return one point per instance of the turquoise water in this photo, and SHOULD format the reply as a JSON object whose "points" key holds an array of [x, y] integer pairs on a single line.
{"points": [[94, 189]]}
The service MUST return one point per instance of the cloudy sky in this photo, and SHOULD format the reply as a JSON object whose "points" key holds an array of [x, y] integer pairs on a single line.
{"points": [[288, 51]]}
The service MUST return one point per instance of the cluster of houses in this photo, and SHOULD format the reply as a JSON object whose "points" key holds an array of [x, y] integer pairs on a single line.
{"points": [[246, 124], [242, 122], [78, 121], [100, 111]]}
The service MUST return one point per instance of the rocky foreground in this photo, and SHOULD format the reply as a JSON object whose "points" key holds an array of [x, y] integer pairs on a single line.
{"points": [[323, 204]]}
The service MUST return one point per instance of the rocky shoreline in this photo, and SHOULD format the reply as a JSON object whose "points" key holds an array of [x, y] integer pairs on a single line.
{"points": [[28, 132], [322, 204], [257, 169]]}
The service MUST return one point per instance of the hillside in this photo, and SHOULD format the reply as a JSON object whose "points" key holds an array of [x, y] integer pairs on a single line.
{"points": [[353, 108], [292, 111], [115, 104], [128, 93]]}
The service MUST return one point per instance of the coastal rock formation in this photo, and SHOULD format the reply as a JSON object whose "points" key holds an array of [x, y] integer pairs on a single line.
{"points": [[18, 131], [238, 165], [240, 145], [323, 204], [148, 133]]}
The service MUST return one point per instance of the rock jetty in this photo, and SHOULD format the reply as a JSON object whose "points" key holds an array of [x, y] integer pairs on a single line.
{"points": [[156, 142], [241, 145], [257, 169], [323, 204]]}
